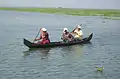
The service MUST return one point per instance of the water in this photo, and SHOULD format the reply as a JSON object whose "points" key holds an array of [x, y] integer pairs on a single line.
{"points": [[72, 62]]}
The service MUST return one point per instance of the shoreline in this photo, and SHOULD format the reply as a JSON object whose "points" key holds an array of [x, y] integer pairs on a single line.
{"points": [[68, 11]]}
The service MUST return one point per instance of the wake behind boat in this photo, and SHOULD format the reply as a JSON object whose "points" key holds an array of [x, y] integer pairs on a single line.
{"points": [[55, 44]]}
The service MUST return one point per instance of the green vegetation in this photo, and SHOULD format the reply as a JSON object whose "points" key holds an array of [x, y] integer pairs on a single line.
{"points": [[112, 18], [69, 11]]}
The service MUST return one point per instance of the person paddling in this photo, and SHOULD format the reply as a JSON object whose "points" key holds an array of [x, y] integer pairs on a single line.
{"points": [[78, 33], [66, 36], [44, 37]]}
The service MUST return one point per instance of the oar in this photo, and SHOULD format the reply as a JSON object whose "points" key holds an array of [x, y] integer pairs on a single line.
{"points": [[75, 28], [36, 36]]}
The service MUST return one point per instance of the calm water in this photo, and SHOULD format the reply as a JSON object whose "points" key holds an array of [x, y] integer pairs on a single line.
{"points": [[73, 62]]}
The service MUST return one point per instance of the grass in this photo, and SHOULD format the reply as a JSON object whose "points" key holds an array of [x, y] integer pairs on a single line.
{"points": [[112, 18], [70, 11]]}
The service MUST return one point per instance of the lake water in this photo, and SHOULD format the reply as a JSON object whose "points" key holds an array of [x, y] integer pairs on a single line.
{"points": [[71, 62]]}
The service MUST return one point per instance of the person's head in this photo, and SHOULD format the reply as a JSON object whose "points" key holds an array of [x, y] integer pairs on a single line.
{"points": [[65, 30], [78, 27], [44, 30]]}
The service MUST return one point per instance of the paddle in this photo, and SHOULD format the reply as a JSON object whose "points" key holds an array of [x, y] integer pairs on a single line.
{"points": [[75, 28], [75, 33], [36, 36]]}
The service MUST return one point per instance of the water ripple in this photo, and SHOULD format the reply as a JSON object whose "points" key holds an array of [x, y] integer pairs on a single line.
{"points": [[72, 62]]}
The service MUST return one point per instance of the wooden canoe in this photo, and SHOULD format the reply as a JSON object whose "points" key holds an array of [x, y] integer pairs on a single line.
{"points": [[55, 44]]}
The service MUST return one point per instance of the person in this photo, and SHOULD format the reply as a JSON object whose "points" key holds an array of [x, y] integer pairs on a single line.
{"points": [[44, 37], [66, 36], [78, 33]]}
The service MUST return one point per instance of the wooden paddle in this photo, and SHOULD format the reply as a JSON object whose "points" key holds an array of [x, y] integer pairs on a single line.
{"points": [[36, 35], [75, 28]]}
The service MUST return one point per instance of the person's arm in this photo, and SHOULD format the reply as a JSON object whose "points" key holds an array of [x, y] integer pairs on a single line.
{"points": [[62, 37], [75, 32], [80, 33], [70, 37], [74, 29], [38, 38]]}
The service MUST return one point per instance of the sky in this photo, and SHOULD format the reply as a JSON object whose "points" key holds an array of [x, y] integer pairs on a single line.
{"points": [[97, 4]]}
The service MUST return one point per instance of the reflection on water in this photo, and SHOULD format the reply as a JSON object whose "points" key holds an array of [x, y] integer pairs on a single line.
{"points": [[77, 50], [43, 53]]}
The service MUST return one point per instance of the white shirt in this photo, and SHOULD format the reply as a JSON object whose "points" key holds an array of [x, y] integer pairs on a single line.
{"points": [[79, 33]]}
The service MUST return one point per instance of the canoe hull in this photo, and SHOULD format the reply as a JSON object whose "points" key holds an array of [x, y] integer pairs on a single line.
{"points": [[55, 44]]}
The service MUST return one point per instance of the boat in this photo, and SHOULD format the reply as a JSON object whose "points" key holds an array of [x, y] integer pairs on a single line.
{"points": [[56, 44]]}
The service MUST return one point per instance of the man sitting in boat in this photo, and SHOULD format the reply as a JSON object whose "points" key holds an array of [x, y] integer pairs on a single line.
{"points": [[66, 36], [78, 33], [44, 37]]}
